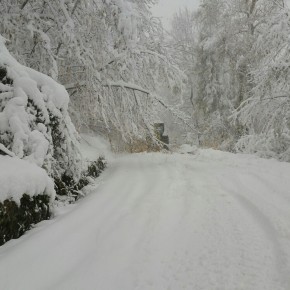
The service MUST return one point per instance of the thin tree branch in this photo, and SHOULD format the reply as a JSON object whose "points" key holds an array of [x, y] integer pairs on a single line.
{"points": [[127, 86], [24, 4], [75, 6]]}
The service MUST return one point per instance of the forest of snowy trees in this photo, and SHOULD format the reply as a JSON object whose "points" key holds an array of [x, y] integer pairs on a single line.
{"points": [[218, 79], [110, 56], [236, 57], [221, 72]]}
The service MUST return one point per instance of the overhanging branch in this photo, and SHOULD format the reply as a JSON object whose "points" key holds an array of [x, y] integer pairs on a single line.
{"points": [[127, 86]]}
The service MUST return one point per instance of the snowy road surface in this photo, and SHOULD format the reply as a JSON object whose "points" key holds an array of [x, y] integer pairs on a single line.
{"points": [[165, 222]]}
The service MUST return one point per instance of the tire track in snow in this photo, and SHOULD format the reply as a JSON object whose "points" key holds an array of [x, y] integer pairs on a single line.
{"points": [[268, 209], [160, 222]]}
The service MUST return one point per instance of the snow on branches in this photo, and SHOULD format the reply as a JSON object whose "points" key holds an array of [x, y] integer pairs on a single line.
{"points": [[88, 44], [34, 121]]}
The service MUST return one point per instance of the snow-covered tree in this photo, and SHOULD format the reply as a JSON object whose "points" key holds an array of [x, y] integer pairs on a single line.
{"points": [[222, 44], [34, 120], [134, 70], [39, 148], [202, 37], [109, 55], [266, 113]]}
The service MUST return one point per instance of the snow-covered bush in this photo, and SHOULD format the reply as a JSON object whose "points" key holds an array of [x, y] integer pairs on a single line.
{"points": [[266, 145], [39, 147], [16, 219], [26, 192], [34, 120]]}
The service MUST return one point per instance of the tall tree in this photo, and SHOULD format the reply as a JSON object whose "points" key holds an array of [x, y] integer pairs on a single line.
{"points": [[266, 113], [109, 55], [222, 51]]}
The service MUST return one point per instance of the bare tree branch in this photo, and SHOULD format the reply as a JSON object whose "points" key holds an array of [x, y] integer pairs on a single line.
{"points": [[24, 4]]}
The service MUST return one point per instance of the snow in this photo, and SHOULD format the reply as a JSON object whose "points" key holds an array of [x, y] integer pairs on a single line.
{"points": [[19, 176], [186, 148], [34, 109], [46, 95], [206, 221], [54, 92], [5, 150]]}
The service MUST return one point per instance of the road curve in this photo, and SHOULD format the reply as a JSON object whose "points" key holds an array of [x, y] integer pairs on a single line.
{"points": [[165, 221]]}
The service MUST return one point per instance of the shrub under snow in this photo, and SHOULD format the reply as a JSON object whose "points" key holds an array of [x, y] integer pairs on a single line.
{"points": [[34, 120], [20, 176], [39, 148]]}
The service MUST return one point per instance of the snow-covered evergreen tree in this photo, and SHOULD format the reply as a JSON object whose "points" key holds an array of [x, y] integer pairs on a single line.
{"points": [[39, 148], [34, 120]]}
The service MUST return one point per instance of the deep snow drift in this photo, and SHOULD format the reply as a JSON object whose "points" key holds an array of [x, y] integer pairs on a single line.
{"points": [[207, 221]]}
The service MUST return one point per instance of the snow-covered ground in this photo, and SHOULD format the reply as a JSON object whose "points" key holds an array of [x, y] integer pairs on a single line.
{"points": [[208, 220]]}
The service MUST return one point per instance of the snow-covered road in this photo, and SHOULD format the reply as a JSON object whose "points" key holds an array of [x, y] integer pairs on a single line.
{"points": [[158, 221]]}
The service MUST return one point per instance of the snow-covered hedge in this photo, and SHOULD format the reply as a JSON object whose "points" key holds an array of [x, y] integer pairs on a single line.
{"points": [[34, 120], [16, 219], [39, 147], [26, 192]]}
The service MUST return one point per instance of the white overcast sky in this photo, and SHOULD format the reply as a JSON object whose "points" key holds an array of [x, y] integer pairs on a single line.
{"points": [[166, 8]]}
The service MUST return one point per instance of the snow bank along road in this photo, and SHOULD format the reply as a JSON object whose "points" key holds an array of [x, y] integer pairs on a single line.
{"points": [[207, 221]]}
